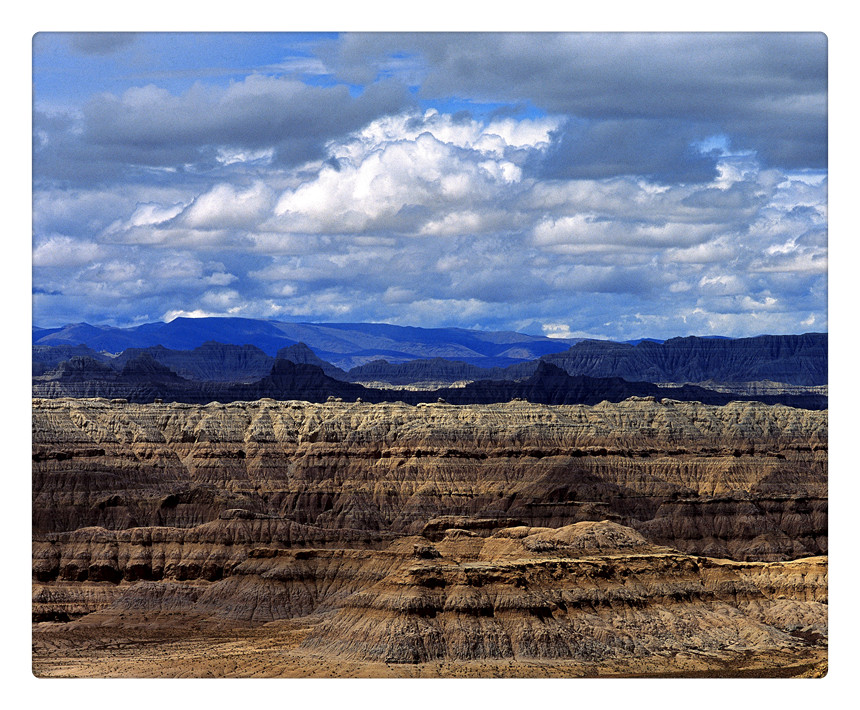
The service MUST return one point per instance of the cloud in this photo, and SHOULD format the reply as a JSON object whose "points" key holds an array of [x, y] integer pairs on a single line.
{"points": [[101, 42], [608, 185], [220, 278], [767, 90], [196, 313], [150, 124], [802, 263], [719, 251], [225, 206], [412, 175], [63, 251], [659, 149], [604, 231]]}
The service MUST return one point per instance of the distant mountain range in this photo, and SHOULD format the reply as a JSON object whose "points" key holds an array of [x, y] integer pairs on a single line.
{"points": [[344, 345], [143, 379], [783, 368]]}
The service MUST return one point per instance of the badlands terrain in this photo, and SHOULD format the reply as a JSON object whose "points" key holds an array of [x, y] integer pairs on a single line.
{"points": [[644, 537]]}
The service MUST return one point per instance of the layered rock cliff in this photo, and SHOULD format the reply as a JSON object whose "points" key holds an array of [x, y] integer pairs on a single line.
{"points": [[629, 536], [799, 360], [745, 480], [211, 361], [587, 592]]}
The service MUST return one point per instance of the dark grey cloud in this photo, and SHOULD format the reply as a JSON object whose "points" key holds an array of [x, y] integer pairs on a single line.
{"points": [[660, 149], [259, 111], [738, 199], [101, 43], [61, 156], [766, 91], [148, 127]]}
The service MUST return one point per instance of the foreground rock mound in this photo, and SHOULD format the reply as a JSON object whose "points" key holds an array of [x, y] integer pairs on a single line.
{"points": [[591, 592], [586, 591]]}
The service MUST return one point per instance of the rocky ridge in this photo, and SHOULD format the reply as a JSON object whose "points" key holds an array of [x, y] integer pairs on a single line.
{"points": [[790, 359], [744, 480], [145, 379], [785, 360]]}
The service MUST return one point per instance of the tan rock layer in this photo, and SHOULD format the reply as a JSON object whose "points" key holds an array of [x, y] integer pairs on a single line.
{"points": [[561, 605], [591, 591], [744, 480], [209, 552]]}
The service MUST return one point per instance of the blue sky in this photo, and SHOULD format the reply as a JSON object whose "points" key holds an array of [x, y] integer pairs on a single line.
{"points": [[599, 185]]}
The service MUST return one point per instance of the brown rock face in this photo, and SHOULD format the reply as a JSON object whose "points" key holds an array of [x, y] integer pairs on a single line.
{"points": [[588, 537], [745, 481], [586, 591]]}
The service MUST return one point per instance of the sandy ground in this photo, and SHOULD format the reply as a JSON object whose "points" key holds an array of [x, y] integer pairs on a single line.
{"points": [[272, 651]]}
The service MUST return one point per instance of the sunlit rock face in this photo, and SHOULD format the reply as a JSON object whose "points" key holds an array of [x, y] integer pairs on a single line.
{"points": [[744, 481], [586, 592], [397, 535]]}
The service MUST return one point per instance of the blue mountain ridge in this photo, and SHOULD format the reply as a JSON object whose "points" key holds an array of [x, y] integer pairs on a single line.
{"points": [[343, 344]]}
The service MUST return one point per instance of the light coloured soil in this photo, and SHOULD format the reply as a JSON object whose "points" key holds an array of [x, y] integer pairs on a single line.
{"points": [[271, 651]]}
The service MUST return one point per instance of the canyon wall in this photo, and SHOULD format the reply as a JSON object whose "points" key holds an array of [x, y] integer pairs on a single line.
{"points": [[744, 481], [646, 536]]}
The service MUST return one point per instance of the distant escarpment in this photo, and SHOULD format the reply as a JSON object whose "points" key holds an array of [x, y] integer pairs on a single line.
{"points": [[552, 385], [799, 360], [744, 480], [210, 361], [301, 354], [145, 379], [398, 355], [436, 370], [48, 357], [792, 359]]}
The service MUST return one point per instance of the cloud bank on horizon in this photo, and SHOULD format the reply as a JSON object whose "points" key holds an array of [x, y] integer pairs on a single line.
{"points": [[572, 185]]}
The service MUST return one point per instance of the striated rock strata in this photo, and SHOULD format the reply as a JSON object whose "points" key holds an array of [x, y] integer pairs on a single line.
{"points": [[745, 481], [646, 536], [587, 592]]}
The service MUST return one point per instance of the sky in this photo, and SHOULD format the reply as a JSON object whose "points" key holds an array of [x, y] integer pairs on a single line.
{"points": [[616, 186]]}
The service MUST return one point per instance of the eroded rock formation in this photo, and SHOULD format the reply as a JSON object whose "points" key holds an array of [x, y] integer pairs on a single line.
{"points": [[792, 359], [144, 378], [401, 534], [744, 480], [586, 592]]}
